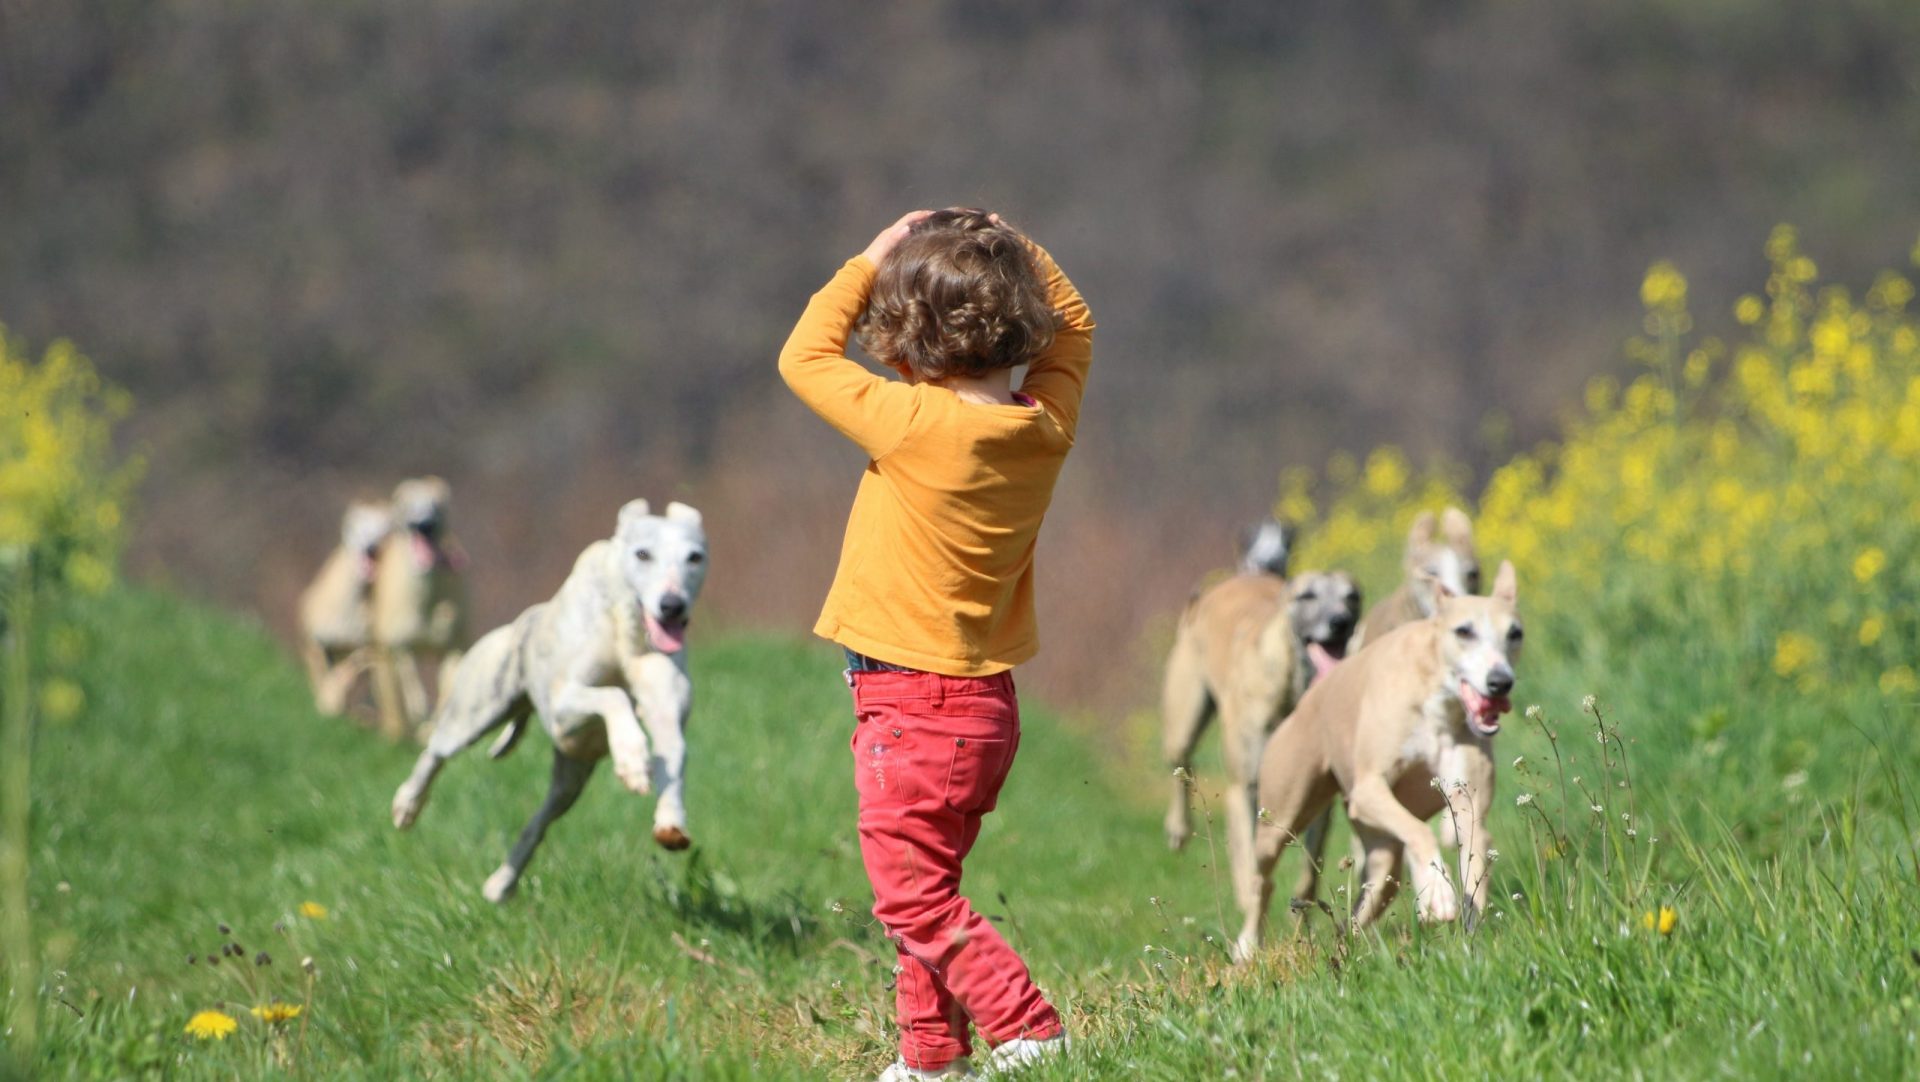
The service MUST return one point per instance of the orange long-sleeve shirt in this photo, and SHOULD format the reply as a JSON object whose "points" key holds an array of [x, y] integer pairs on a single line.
{"points": [[936, 571]]}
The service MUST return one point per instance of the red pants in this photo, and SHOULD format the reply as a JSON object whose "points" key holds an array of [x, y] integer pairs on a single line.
{"points": [[930, 753]]}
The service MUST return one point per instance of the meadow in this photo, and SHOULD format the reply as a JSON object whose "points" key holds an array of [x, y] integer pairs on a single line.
{"points": [[1709, 836]]}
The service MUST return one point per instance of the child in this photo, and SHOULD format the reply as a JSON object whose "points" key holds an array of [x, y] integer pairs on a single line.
{"points": [[933, 600]]}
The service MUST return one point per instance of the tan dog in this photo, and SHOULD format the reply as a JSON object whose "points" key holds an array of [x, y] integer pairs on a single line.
{"points": [[1440, 562], [419, 603], [336, 611], [1246, 649], [1382, 728]]}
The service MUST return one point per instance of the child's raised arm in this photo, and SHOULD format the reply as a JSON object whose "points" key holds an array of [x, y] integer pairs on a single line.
{"points": [[870, 410], [1058, 377]]}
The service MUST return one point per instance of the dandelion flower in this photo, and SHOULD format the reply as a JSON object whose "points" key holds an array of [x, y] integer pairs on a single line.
{"points": [[211, 1025], [275, 1013], [1663, 921], [1871, 629], [313, 911]]}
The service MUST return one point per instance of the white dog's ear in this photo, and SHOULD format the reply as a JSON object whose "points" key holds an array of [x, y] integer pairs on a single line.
{"points": [[1506, 584], [680, 512], [632, 513], [1422, 533], [1456, 527]]}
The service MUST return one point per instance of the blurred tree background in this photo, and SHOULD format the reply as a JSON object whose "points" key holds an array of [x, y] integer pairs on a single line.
{"points": [[550, 250]]}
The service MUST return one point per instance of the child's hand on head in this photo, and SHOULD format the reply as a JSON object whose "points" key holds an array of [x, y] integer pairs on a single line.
{"points": [[893, 235]]}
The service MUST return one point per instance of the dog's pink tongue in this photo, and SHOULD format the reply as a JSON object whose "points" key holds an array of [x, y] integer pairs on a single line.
{"points": [[1323, 661], [423, 552], [1486, 709], [666, 639]]}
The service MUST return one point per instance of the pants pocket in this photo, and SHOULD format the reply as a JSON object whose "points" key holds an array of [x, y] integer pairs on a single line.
{"points": [[976, 771]]}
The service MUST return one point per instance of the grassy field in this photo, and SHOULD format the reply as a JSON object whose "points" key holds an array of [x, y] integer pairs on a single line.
{"points": [[199, 789]]}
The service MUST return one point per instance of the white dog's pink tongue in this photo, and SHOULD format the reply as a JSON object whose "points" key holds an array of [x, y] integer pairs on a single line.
{"points": [[1323, 661], [666, 639]]}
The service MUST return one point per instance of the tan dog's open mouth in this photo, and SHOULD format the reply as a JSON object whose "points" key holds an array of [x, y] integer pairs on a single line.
{"points": [[1323, 659], [667, 636], [1483, 711]]}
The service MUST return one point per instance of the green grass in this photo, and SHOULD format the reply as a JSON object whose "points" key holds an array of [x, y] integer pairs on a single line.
{"points": [[198, 788]]}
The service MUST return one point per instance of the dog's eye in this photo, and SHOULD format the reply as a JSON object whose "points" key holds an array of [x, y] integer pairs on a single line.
{"points": [[696, 557], [1306, 595], [645, 556], [1464, 632]]}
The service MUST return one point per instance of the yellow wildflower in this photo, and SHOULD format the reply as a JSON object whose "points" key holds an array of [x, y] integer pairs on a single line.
{"points": [[313, 911], [1899, 680], [211, 1025], [1664, 920], [275, 1013], [1749, 309], [1871, 629], [61, 699], [1792, 652], [1869, 563]]}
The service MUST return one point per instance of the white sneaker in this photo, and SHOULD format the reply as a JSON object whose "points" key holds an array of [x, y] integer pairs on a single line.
{"points": [[1022, 1051], [900, 1072]]}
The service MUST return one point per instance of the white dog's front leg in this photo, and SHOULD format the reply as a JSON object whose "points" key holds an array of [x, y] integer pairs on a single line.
{"points": [[1372, 802], [626, 740], [665, 696]]}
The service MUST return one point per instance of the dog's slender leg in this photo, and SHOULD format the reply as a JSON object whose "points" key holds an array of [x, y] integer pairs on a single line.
{"points": [[577, 704], [1379, 866], [1371, 802], [569, 778], [1470, 806], [386, 694], [1185, 708], [413, 690], [1313, 845], [1294, 787], [318, 666], [1244, 738], [664, 696]]}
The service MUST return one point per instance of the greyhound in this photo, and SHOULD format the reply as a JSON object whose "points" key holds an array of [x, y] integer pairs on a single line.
{"points": [[1247, 649], [1440, 562], [604, 665], [1382, 729], [336, 609], [419, 603]]}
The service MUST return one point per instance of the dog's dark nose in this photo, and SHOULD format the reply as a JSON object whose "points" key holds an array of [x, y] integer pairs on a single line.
{"points": [[673, 607], [1499, 682], [1340, 622]]}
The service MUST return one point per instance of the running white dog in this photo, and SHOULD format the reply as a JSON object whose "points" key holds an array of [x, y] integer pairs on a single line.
{"points": [[603, 664]]}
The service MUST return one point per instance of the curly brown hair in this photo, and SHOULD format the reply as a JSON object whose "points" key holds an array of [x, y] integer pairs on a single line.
{"points": [[959, 296]]}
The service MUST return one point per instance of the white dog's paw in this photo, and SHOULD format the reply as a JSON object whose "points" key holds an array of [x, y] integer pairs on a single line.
{"points": [[407, 803], [635, 774], [1438, 900], [499, 885]]}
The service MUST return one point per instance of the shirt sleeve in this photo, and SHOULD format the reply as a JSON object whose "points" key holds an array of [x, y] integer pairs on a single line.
{"points": [[1058, 377], [872, 411]]}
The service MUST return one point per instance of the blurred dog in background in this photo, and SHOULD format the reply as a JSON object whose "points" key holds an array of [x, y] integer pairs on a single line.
{"points": [[419, 603], [603, 664], [1247, 649], [336, 610]]}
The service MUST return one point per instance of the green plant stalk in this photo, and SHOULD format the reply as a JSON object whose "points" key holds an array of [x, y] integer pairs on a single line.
{"points": [[16, 771]]}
